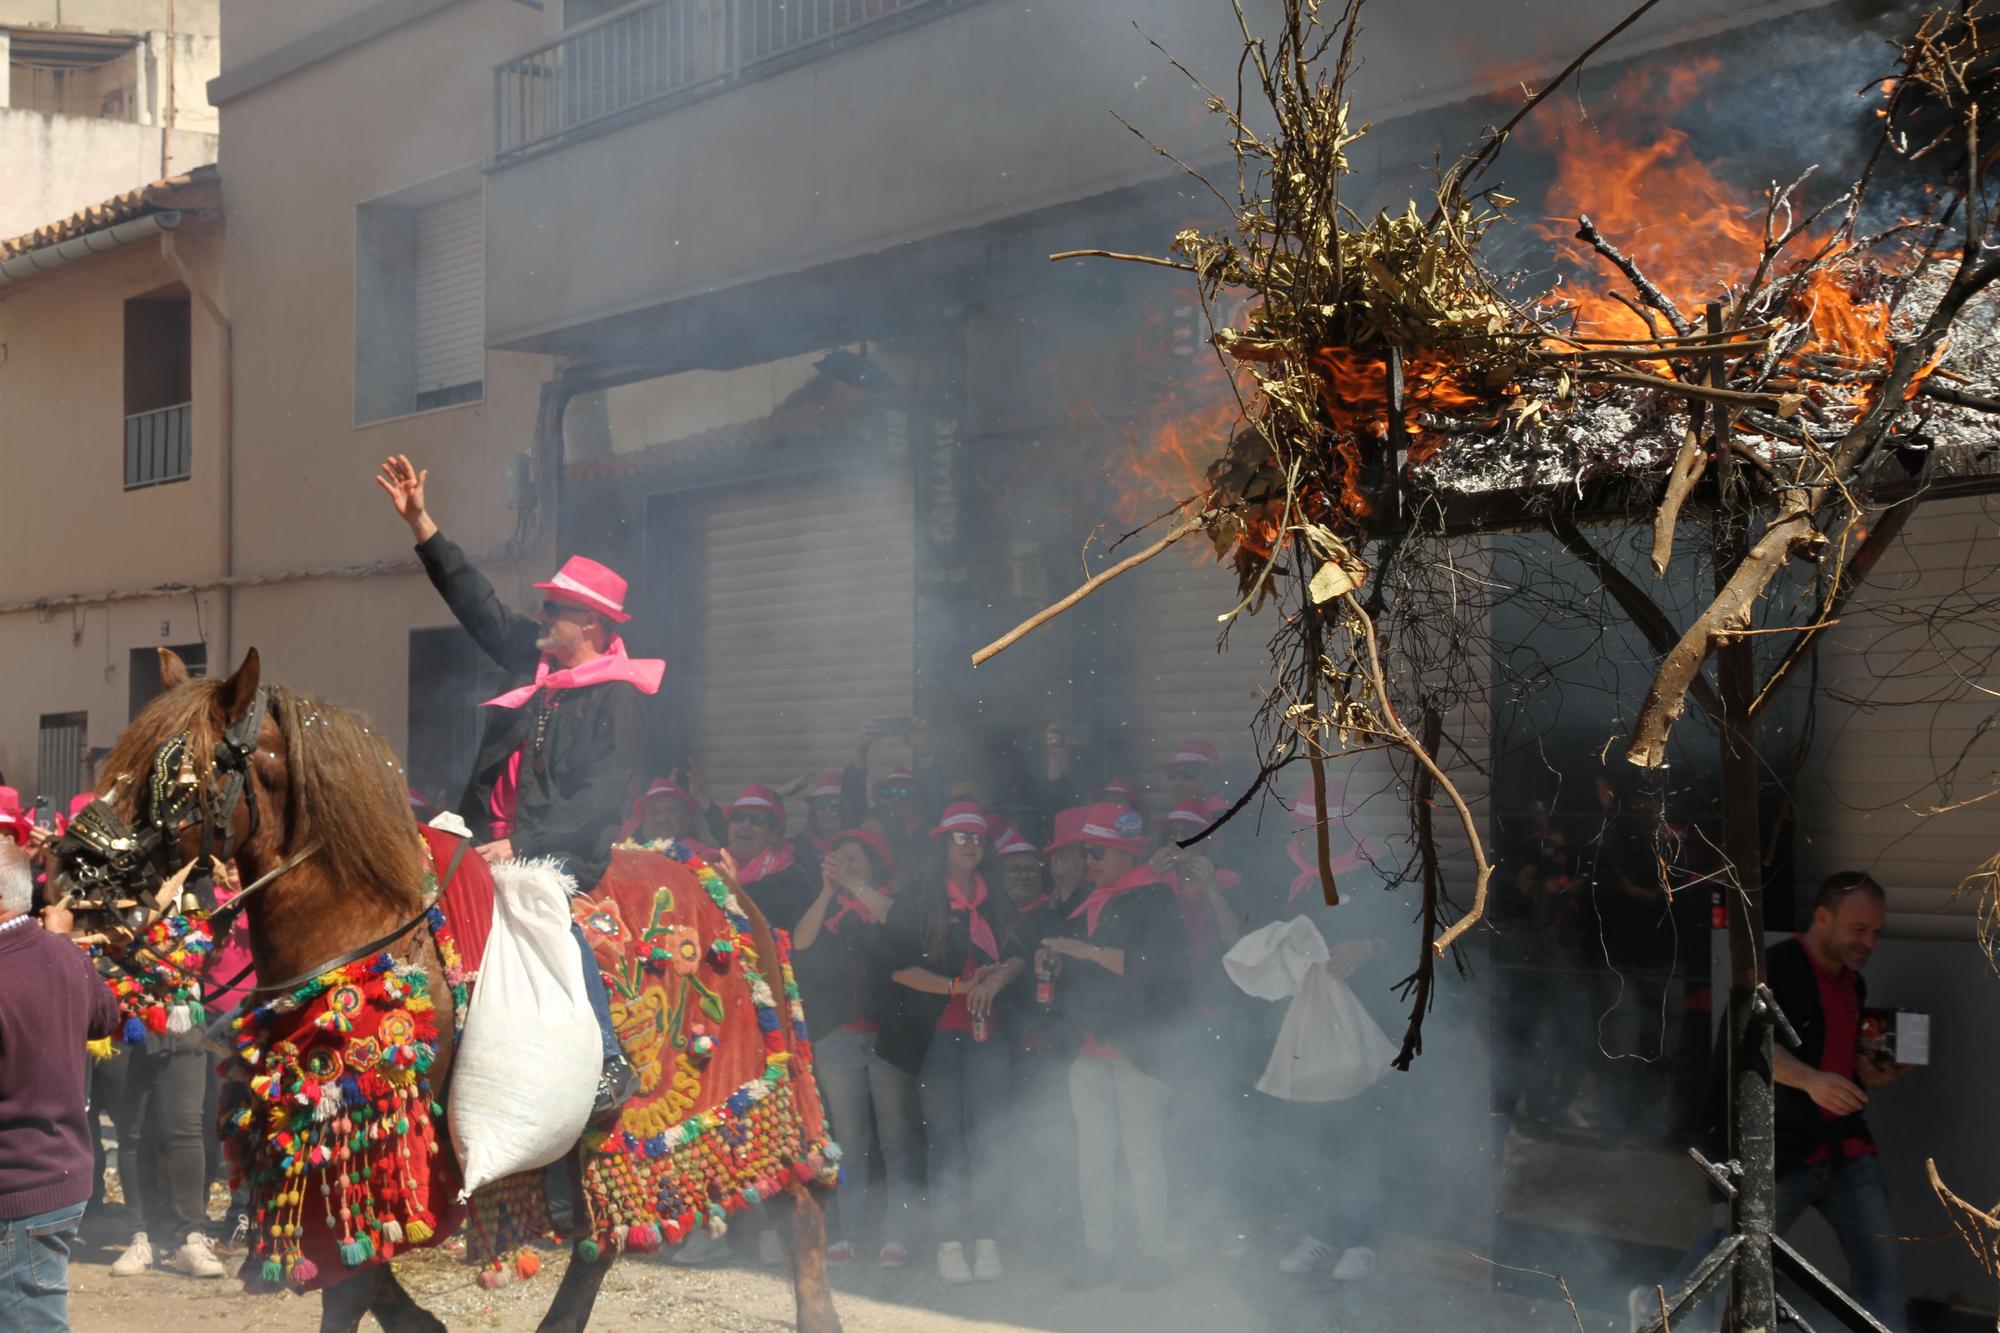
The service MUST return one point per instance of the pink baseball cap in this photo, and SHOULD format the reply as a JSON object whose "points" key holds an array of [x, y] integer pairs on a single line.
{"points": [[585, 583], [1115, 825], [1009, 842], [873, 841], [824, 787], [1069, 828], [758, 797], [963, 817], [668, 787], [1197, 814], [1123, 788], [1195, 752]]}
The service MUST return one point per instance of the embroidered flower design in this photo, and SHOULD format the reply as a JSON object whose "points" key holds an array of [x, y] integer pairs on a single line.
{"points": [[683, 948]]}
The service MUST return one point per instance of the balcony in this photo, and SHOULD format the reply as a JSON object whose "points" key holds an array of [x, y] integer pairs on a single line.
{"points": [[645, 58], [159, 446]]}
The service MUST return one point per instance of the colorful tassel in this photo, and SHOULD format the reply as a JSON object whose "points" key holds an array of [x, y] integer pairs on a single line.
{"points": [[392, 1232], [418, 1231], [177, 1019], [272, 1272], [526, 1264], [353, 1253], [135, 1031], [304, 1271], [589, 1251]]}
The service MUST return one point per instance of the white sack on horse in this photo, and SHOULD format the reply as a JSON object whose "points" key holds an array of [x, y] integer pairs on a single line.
{"points": [[526, 1070]]}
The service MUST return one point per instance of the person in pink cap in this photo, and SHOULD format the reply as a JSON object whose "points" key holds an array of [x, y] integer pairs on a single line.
{"points": [[766, 866], [823, 822], [955, 952], [13, 821], [1125, 982], [1194, 773], [841, 956], [1119, 791], [562, 744], [666, 812]]}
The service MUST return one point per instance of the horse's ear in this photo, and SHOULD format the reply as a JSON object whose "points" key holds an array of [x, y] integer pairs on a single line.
{"points": [[173, 671], [240, 690]]}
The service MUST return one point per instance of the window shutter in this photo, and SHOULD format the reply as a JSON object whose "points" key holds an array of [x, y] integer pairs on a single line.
{"points": [[451, 295], [807, 616], [1906, 692]]}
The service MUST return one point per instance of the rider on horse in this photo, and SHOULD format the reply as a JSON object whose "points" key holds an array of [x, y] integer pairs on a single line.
{"points": [[562, 745]]}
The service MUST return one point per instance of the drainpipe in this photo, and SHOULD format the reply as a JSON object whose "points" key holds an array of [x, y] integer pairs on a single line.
{"points": [[223, 660]]}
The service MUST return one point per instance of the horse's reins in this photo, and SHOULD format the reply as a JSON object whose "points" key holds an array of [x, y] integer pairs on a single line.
{"points": [[359, 951]]}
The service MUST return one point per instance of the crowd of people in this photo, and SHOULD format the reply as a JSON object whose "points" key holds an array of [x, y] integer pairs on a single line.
{"points": [[1021, 1018]]}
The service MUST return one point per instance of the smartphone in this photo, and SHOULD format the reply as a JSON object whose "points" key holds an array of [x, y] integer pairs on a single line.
{"points": [[44, 818], [892, 728]]}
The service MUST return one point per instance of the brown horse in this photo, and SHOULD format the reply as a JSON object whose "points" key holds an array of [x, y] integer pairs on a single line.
{"points": [[324, 806]]}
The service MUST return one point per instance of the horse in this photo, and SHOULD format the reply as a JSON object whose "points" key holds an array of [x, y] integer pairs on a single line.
{"points": [[313, 810]]}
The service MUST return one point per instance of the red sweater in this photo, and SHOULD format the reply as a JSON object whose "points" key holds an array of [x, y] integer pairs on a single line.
{"points": [[51, 1002]]}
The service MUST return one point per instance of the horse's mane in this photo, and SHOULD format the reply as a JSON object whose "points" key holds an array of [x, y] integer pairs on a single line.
{"points": [[348, 799]]}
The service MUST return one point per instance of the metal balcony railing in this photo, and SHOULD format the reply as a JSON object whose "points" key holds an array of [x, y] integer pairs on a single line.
{"points": [[159, 445], [648, 55]]}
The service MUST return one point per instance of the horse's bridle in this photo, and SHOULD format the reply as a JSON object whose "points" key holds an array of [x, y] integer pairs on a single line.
{"points": [[104, 859]]}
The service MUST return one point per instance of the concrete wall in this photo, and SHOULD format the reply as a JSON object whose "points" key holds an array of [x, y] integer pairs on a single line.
{"points": [[304, 153], [55, 165], [71, 527], [994, 110], [134, 16]]}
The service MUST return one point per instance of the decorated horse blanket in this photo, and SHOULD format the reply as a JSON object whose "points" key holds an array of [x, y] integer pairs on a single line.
{"points": [[342, 1140], [728, 1113]]}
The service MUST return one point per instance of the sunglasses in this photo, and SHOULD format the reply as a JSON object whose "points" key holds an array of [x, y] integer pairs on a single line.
{"points": [[564, 610], [895, 793], [965, 839], [751, 817], [1096, 853], [1184, 773]]}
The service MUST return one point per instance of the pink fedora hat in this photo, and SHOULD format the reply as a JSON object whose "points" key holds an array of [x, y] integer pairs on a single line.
{"points": [[590, 585]]}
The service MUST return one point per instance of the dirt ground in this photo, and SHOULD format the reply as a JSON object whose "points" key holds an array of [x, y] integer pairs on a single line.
{"points": [[1419, 1287]]}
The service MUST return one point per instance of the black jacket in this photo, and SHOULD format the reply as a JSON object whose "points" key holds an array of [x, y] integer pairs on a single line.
{"points": [[909, 1017], [591, 748], [1143, 1013], [1802, 1128], [844, 976]]}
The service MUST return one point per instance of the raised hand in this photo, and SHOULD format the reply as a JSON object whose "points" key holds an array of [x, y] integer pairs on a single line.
{"points": [[404, 485]]}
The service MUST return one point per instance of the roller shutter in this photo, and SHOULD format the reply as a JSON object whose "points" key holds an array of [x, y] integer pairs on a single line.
{"points": [[1907, 691], [807, 615], [1183, 687], [451, 295]]}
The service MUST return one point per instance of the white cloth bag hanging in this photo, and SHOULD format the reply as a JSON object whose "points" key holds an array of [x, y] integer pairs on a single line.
{"points": [[525, 1071], [1328, 1048]]}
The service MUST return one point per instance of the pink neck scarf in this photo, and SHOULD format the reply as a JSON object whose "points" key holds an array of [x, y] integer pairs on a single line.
{"points": [[611, 664], [982, 929], [852, 906], [776, 857], [1308, 863], [1140, 876]]}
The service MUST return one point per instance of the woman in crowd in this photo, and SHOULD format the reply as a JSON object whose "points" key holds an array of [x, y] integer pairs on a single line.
{"points": [[1124, 978], [954, 952], [823, 823], [665, 811], [840, 951]]}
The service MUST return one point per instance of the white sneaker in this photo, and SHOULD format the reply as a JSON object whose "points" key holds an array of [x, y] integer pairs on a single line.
{"points": [[986, 1261], [195, 1257], [951, 1264], [1307, 1256], [770, 1250], [1356, 1263], [894, 1254], [138, 1257]]}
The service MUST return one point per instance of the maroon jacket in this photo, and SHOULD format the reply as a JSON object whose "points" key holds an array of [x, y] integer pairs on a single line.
{"points": [[51, 1002]]}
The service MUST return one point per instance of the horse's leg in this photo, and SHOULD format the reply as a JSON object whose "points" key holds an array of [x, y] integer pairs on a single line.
{"points": [[570, 1310], [397, 1312], [342, 1304], [811, 1295]]}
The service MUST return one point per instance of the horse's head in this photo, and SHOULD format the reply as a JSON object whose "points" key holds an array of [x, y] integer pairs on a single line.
{"points": [[197, 775]]}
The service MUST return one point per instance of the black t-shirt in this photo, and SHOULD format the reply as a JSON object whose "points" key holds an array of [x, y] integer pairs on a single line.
{"points": [[844, 976], [1144, 1011], [909, 1016]]}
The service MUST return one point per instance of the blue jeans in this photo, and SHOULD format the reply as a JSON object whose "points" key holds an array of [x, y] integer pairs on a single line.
{"points": [[600, 999], [963, 1089], [34, 1270], [867, 1097], [1852, 1196]]}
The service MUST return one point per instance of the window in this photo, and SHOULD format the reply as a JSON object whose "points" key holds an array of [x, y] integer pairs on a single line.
{"points": [[420, 301], [143, 676], [159, 443], [60, 774]]}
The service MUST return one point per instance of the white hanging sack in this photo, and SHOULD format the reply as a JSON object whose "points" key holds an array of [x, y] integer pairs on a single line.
{"points": [[525, 1071], [1329, 1049]]}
